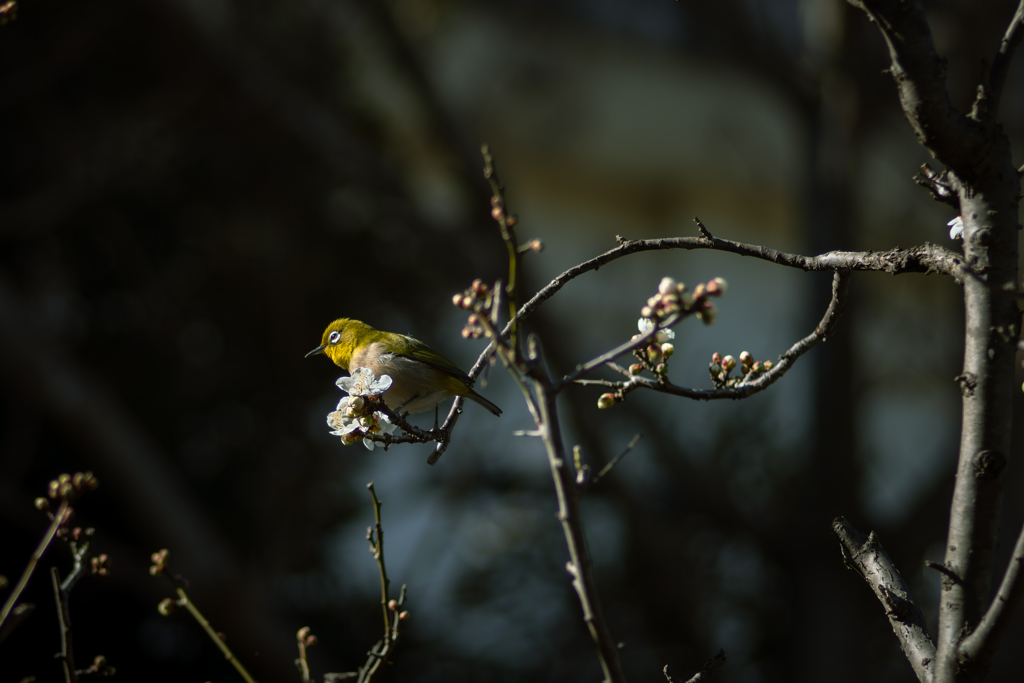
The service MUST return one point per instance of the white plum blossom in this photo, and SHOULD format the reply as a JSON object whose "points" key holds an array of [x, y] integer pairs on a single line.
{"points": [[645, 325], [342, 421], [956, 228], [350, 413], [363, 382]]}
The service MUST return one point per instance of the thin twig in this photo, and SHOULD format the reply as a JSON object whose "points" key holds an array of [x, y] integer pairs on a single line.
{"points": [[944, 570], [704, 232], [184, 601], [384, 648], [59, 519], [60, 596], [612, 463], [710, 668], [621, 349], [305, 640], [540, 395], [160, 568], [580, 565], [377, 550], [707, 671]]}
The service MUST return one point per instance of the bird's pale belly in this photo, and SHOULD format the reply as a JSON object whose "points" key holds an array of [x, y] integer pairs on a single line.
{"points": [[414, 384]]}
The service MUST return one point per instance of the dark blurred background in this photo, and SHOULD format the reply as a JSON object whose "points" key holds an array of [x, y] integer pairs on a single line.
{"points": [[191, 190]]}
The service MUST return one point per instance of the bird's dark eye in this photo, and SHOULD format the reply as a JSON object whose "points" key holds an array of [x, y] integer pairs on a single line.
{"points": [[335, 336]]}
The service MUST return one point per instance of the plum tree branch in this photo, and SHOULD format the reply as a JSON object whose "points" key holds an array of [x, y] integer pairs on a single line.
{"points": [[986, 184], [986, 637], [920, 76], [866, 555], [824, 330]]}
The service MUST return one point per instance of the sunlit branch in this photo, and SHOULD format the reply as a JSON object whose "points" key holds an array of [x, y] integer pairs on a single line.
{"points": [[866, 555], [824, 330]]}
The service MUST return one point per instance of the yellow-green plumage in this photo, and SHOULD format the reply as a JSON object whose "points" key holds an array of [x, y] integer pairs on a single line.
{"points": [[421, 377]]}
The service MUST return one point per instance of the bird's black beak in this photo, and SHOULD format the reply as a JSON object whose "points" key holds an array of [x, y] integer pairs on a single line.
{"points": [[319, 349]]}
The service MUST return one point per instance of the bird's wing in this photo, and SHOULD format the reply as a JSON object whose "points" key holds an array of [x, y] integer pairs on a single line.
{"points": [[419, 351]]}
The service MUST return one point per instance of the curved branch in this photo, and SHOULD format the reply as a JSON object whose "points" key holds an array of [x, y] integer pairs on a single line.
{"points": [[986, 637], [920, 76], [928, 258], [824, 330]]}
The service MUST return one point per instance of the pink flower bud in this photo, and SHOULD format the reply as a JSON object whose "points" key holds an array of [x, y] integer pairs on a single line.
{"points": [[717, 287], [606, 401]]}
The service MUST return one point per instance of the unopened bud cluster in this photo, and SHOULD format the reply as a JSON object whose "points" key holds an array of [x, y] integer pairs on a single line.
{"points": [[99, 667], [670, 304], [306, 637], [749, 369], [75, 535], [498, 212], [393, 606], [477, 299], [159, 560], [69, 486], [674, 298], [100, 564]]}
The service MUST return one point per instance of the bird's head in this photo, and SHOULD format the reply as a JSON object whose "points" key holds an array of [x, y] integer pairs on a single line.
{"points": [[341, 339]]}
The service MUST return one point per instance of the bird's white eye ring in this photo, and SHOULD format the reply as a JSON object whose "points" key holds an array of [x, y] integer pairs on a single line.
{"points": [[335, 336]]}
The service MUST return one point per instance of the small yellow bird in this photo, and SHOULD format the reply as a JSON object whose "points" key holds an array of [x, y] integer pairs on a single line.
{"points": [[421, 377]]}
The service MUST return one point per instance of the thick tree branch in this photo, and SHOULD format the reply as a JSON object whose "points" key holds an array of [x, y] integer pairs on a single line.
{"points": [[866, 555], [987, 188], [920, 75]]}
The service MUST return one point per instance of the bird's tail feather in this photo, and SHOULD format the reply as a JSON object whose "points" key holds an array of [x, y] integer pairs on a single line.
{"points": [[484, 402]]}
